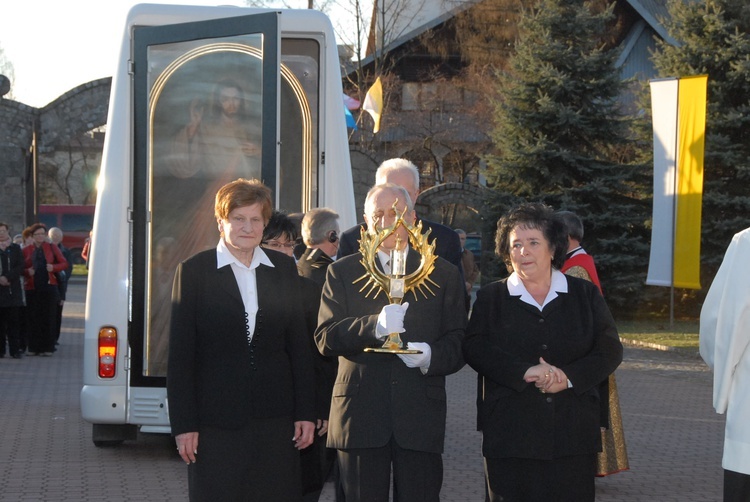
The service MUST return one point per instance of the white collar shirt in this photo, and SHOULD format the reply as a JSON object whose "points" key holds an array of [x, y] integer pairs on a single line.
{"points": [[246, 279], [558, 284]]}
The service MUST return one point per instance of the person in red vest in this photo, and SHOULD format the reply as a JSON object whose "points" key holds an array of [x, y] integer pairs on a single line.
{"points": [[578, 263]]}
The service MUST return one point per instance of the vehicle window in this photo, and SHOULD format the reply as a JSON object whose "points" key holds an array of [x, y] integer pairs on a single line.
{"points": [[77, 222], [48, 220]]}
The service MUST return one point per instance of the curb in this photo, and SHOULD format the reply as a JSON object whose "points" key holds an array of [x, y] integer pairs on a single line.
{"points": [[656, 346]]}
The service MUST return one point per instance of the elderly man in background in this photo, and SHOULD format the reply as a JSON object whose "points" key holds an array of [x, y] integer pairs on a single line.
{"points": [[320, 234], [56, 236], [405, 174]]}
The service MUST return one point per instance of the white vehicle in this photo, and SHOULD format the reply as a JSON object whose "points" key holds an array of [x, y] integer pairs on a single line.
{"points": [[201, 96]]}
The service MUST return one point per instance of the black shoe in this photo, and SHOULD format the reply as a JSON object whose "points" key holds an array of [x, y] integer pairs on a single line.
{"points": [[17, 356]]}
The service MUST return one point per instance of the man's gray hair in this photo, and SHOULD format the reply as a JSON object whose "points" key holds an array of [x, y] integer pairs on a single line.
{"points": [[397, 190], [317, 224], [396, 165], [55, 233]]}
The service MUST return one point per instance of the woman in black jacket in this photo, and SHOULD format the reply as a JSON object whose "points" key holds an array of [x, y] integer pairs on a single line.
{"points": [[240, 371], [542, 342], [11, 295], [42, 261]]}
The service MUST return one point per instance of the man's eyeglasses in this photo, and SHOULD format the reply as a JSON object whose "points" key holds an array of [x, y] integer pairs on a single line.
{"points": [[278, 245], [37, 234]]}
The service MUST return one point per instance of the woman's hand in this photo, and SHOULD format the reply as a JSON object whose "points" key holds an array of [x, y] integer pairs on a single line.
{"points": [[303, 434], [187, 446], [547, 378]]}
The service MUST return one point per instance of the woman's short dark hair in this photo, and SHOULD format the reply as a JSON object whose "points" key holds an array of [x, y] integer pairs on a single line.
{"points": [[280, 225], [537, 216]]}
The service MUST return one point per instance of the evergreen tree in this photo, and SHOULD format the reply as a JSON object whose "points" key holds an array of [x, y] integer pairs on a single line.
{"points": [[562, 137], [714, 39]]}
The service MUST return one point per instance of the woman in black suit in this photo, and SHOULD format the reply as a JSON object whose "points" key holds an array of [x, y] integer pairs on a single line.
{"points": [[542, 342], [240, 375]]}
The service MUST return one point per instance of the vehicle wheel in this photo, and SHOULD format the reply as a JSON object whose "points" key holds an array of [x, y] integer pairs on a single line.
{"points": [[108, 435]]}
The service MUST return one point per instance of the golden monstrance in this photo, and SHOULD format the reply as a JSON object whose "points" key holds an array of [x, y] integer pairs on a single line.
{"points": [[398, 283]]}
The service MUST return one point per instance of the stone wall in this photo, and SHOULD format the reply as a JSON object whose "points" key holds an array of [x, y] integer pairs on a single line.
{"points": [[56, 125]]}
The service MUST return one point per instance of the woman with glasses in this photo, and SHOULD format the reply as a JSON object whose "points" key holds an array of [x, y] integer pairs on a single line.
{"points": [[240, 371], [42, 262], [280, 234]]}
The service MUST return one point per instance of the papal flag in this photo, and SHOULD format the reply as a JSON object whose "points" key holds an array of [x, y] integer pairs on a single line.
{"points": [[678, 108], [374, 103]]}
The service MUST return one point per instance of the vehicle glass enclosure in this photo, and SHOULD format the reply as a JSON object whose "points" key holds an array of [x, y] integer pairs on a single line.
{"points": [[208, 97]]}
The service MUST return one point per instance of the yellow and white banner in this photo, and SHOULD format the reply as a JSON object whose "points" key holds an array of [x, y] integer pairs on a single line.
{"points": [[679, 122], [373, 103]]}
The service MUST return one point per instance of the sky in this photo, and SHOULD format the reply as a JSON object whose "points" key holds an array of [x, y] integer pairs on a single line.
{"points": [[56, 45]]}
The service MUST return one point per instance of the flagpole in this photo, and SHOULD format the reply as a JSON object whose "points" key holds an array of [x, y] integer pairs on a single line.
{"points": [[674, 207]]}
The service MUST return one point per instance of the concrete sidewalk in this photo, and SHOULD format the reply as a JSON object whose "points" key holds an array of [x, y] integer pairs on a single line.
{"points": [[674, 438]]}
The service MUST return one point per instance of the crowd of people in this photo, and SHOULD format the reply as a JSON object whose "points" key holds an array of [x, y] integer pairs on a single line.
{"points": [[34, 271], [278, 380]]}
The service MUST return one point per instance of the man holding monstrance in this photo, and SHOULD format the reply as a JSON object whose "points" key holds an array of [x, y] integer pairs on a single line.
{"points": [[389, 405]]}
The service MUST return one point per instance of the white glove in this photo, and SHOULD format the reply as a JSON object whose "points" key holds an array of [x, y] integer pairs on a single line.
{"points": [[391, 319], [417, 360]]}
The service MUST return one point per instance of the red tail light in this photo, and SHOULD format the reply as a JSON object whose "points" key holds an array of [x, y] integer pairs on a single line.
{"points": [[107, 352]]}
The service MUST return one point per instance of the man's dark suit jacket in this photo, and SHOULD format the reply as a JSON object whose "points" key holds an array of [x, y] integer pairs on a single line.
{"points": [[312, 267], [313, 264], [376, 396], [215, 377], [574, 332]]}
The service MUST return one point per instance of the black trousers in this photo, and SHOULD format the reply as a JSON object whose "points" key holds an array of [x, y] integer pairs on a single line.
{"points": [[564, 479], [42, 311], [366, 474], [257, 463], [736, 487], [9, 330]]}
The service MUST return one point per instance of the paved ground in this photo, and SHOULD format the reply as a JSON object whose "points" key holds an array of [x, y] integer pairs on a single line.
{"points": [[674, 438]]}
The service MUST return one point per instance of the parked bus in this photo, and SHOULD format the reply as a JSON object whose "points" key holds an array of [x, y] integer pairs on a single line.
{"points": [[74, 220], [165, 154]]}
